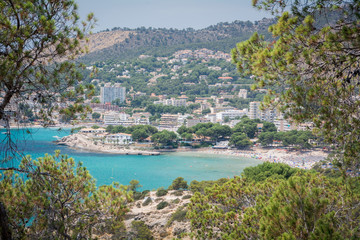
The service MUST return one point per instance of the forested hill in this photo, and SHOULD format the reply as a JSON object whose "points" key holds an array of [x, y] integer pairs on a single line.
{"points": [[161, 41]]}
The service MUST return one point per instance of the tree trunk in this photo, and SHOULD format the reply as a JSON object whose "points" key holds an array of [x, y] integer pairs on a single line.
{"points": [[5, 232]]}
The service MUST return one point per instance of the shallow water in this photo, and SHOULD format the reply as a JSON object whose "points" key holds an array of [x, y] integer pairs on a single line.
{"points": [[152, 171]]}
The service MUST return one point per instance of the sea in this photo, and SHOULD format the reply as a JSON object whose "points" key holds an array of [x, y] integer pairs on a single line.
{"points": [[151, 171]]}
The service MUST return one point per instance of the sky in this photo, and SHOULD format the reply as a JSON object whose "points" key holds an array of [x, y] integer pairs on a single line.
{"points": [[167, 13]]}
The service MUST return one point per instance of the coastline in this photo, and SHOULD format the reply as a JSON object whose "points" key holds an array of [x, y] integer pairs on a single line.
{"points": [[85, 143], [305, 159]]}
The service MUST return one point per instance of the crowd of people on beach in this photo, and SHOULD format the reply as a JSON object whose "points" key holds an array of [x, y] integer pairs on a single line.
{"points": [[299, 159]]}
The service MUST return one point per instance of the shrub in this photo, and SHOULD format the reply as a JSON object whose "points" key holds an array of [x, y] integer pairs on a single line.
{"points": [[176, 201], [140, 195], [177, 193], [140, 230], [196, 186], [179, 183], [147, 202], [161, 192], [179, 216], [162, 205], [186, 196]]}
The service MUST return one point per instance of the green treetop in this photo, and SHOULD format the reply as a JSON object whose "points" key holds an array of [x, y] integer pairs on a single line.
{"points": [[314, 61]]}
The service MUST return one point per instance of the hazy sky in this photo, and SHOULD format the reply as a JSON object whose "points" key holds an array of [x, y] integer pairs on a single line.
{"points": [[167, 13]]}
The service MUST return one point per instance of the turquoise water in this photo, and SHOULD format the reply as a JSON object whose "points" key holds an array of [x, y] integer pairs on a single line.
{"points": [[152, 171]]}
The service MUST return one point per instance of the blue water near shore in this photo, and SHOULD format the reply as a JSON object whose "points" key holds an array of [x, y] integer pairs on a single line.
{"points": [[152, 171]]}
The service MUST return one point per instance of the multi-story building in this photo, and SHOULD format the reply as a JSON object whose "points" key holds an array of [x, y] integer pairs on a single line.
{"points": [[172, 102], [221, 109], [109, 93], [118, 139], [243, 93], [113, 118], [255, 112], [268, 115], [282, 125], [231, 114], [193, 122], [168, 121]]}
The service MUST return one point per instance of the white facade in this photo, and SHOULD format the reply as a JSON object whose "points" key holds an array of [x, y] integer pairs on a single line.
{"points": [[268, 115], [193, 122], [254, 111], [231, 114], [243, 93], [118, 139], [92, 130], [109, 93], [172, 102], [282, 125], [113, 118]]}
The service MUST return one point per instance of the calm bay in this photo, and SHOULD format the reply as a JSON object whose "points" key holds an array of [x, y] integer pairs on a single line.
{"points": [[152, 171]]}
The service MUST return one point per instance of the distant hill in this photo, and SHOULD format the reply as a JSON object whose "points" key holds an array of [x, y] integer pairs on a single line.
{"points": [[123, 44], [102, 40]]}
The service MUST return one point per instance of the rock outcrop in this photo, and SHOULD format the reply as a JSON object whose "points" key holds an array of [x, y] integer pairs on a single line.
{"points": [[87, 143], [162, 223]]}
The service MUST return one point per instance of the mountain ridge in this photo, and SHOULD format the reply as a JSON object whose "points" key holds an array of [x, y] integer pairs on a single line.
{"points": [[121, 44]]}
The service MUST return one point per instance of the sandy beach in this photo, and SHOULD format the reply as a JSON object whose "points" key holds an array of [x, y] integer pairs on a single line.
{"points": [[294, 158]]}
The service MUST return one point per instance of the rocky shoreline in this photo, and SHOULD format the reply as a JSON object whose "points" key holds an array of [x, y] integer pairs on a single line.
{"points": [[83, 142]]}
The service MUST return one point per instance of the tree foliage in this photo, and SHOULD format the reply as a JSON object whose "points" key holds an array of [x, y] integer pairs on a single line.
{"points": [[60, 201], [314, 61], [37, 39], [304, 206], [164, 138], [240, 140], [290, 138], [267, 170], [178, 183]]}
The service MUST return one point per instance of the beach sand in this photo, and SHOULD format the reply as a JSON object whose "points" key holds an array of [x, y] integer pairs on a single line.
{"points": [[305, 159]]}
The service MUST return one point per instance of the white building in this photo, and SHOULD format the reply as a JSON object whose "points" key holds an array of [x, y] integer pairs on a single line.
{"points": [[282, 125], [231, 114], [109, 93], [92, 130], [114, 118], [254, 111], [268, 115], [118, 139], [172, 102], [195, 121], [243, 93]]}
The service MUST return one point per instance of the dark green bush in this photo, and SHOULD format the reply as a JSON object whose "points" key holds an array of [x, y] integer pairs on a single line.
{"points": [[177, 193], [161, 192], [141, 231], [178, 183], [196, 186], [147, 202], [186, 196], [162, 205], [179, 216], [140, 195]]}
